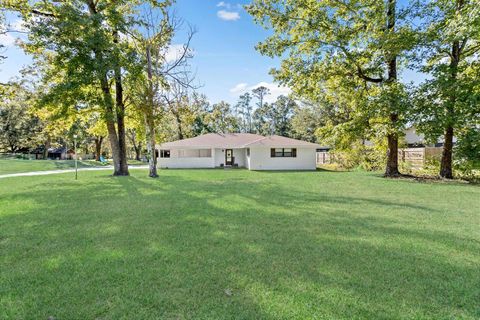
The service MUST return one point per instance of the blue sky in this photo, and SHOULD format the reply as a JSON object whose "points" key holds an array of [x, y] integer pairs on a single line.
{"points": [[225, 61]]}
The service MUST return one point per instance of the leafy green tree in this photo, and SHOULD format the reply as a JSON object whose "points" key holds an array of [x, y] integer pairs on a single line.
{"points": [[468, 146], [358, 39], [200, 106], [19, 126], [275, 118], [261, 119], [220, 119], [305, 121], [160, 90], [86, 42], [449, 101], [243, 109], [260, 93], [96, 129], [281, 114]]}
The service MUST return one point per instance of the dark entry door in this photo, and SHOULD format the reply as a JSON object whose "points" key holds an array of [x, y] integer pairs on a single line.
{"points": [[228, 157]]}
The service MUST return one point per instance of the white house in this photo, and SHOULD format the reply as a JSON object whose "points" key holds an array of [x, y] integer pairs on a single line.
{"points": [[251, 151], [414, 139]]}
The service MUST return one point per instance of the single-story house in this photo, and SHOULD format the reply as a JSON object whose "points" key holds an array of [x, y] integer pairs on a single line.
{"points": [[59, 153], [417, 140], [251, 151]]}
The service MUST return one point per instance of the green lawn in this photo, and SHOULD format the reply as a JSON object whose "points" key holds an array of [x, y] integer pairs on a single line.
{"points": [[19, 165], [235, 244]]}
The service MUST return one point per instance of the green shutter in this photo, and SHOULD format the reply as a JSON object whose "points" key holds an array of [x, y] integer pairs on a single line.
{"points": [[294, 153], [272, 153]]}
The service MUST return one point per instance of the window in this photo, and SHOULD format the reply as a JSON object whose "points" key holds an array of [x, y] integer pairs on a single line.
{"points": [[248, 152], [283, 153], [195, 153], [164, 154]]}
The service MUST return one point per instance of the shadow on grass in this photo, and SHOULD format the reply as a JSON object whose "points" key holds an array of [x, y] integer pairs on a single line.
{"points": [[169, 248]]}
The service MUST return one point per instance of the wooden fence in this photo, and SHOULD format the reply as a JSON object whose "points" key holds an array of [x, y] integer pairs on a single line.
{"points": [[416, 157]]}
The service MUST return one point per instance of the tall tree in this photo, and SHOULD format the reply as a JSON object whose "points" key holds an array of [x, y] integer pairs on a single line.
{"points": [[260, 93], [282, 113], [447, 102], [19, 126], [221, 119], [319, 40], [95, 127], [275, 118], [161, 75], [243, 109], [86, 42]]}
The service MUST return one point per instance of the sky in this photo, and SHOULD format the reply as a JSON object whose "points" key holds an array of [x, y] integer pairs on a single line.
{"points": [[225, 61]]}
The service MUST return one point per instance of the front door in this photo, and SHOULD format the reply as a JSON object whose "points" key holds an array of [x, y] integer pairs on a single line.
{"points": [[228, 157]]}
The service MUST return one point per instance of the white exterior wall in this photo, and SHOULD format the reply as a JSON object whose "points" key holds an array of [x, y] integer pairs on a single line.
{"points": [[260, 160], [219, 157], [247, 159], [175, 162], [238, 154], [411, 136]]}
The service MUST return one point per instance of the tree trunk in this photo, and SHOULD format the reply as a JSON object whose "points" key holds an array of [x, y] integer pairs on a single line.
{"points": [[446, 163], [446, 170], [152, 163], [150, 120], [391, 169], [179, 125], [137, 146], [98, 147], [13, 148], [118, 151], [45, 150], [110, 122], [120, 110], [138, 151]]}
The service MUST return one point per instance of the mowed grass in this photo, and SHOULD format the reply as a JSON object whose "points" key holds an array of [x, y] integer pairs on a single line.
{"points": [[235, 244], [20, 165], [8, 166]]}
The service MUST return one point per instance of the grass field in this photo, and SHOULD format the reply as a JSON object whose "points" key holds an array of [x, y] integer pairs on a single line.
{"points": [[19, 165], [235, 244]]}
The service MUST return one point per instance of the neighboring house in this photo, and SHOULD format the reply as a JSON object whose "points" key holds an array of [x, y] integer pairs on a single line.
{"points": [[417, 140], [252, 151], [60, 153]]}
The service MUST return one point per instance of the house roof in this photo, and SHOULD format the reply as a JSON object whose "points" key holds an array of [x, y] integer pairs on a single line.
{"points": [[236, 140], [279, 141]]}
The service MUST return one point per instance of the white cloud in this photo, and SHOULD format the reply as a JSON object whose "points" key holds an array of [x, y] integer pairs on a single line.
{"points": [[229, 6], [7, 40], [239, 88], [275, 90], [175, 51], [18, 25], [228, 15]]}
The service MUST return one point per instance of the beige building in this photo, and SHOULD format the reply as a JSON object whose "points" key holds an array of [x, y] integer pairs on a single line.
{"points": [[251, 151]]}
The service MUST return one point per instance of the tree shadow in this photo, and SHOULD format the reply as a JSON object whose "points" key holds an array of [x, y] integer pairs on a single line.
{"points": [[170, 247]]}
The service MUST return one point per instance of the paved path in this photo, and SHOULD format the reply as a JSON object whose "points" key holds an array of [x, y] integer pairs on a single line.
{"points": [[41, 173]]}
